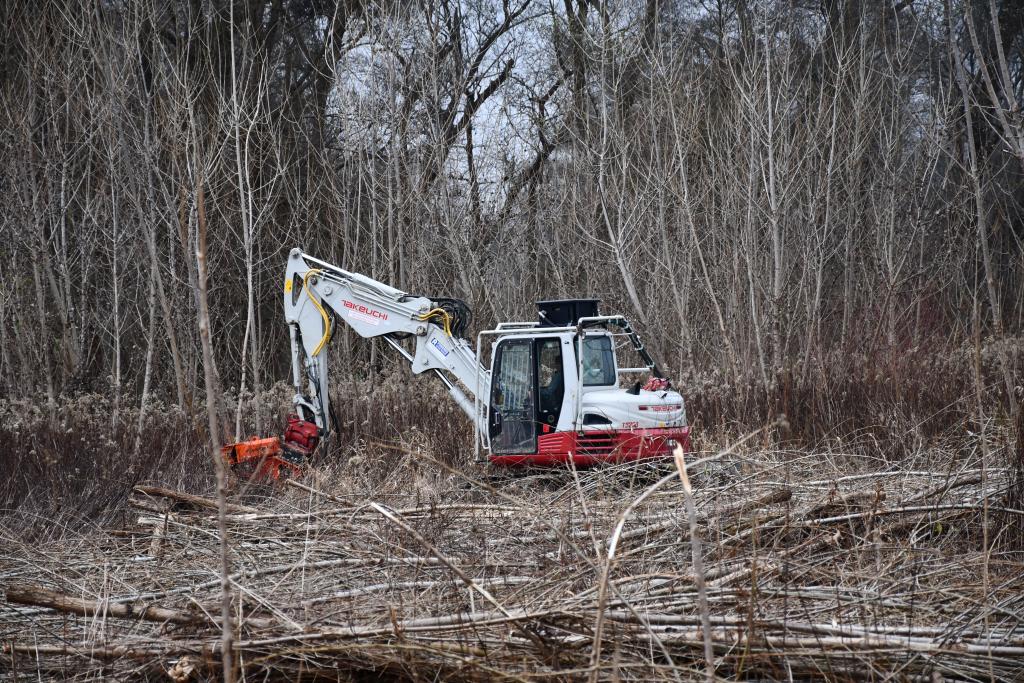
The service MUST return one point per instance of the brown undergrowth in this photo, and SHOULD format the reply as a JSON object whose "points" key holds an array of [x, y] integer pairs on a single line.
{"points": [[818, 565], [876, 530]]}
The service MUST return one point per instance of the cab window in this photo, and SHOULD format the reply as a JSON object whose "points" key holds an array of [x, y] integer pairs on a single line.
{"points": [[598, 362], [550, 381]]}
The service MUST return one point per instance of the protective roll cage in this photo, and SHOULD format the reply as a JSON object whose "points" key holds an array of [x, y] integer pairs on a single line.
{"points": [[579, 330]]}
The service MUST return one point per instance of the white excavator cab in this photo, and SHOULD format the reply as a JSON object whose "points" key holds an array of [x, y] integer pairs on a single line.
{"points": [[554, 392]]}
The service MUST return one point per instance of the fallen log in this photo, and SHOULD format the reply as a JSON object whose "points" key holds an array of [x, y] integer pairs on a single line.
{"points": [[855, 499], [726, 515], [190, 499], [99, 651], [43, 597]]}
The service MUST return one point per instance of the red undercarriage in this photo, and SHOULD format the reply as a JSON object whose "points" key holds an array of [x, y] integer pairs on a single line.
{"points": [[592, 448]]}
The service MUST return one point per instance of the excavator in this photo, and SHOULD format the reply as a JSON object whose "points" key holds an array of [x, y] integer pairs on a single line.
{"points": [[550, 396]]}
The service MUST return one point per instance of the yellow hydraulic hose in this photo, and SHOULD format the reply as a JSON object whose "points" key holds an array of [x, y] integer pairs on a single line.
{"points": [[445, 318], [323, 314]]}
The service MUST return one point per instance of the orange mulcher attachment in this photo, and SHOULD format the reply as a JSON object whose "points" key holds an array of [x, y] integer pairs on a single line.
{"points": [[273, 458]]}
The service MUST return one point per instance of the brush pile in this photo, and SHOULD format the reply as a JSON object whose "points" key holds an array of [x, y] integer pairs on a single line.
{"points": [[812, 567]]}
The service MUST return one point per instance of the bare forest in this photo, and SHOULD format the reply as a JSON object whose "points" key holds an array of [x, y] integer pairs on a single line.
{"points": [[812, 211]]}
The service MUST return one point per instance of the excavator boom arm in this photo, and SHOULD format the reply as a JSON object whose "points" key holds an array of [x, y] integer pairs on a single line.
{"points": [[318, 295]]}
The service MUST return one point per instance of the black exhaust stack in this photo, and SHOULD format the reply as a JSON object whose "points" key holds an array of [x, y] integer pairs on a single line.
{"points": [[565, 312]]}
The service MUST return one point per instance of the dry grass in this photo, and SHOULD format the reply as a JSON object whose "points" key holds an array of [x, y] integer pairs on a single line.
{"points": [[876, 533], [818, 565]]}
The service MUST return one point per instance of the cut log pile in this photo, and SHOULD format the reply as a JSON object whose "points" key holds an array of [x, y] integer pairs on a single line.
{"points": [[809, 572]]}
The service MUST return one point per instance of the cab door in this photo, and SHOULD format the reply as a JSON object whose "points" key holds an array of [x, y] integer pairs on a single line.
{"points": [[528, 389], [511, 420]]}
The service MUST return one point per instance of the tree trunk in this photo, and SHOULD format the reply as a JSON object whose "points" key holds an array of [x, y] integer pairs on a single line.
{"points": [[218, 460], [148, 372]]}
